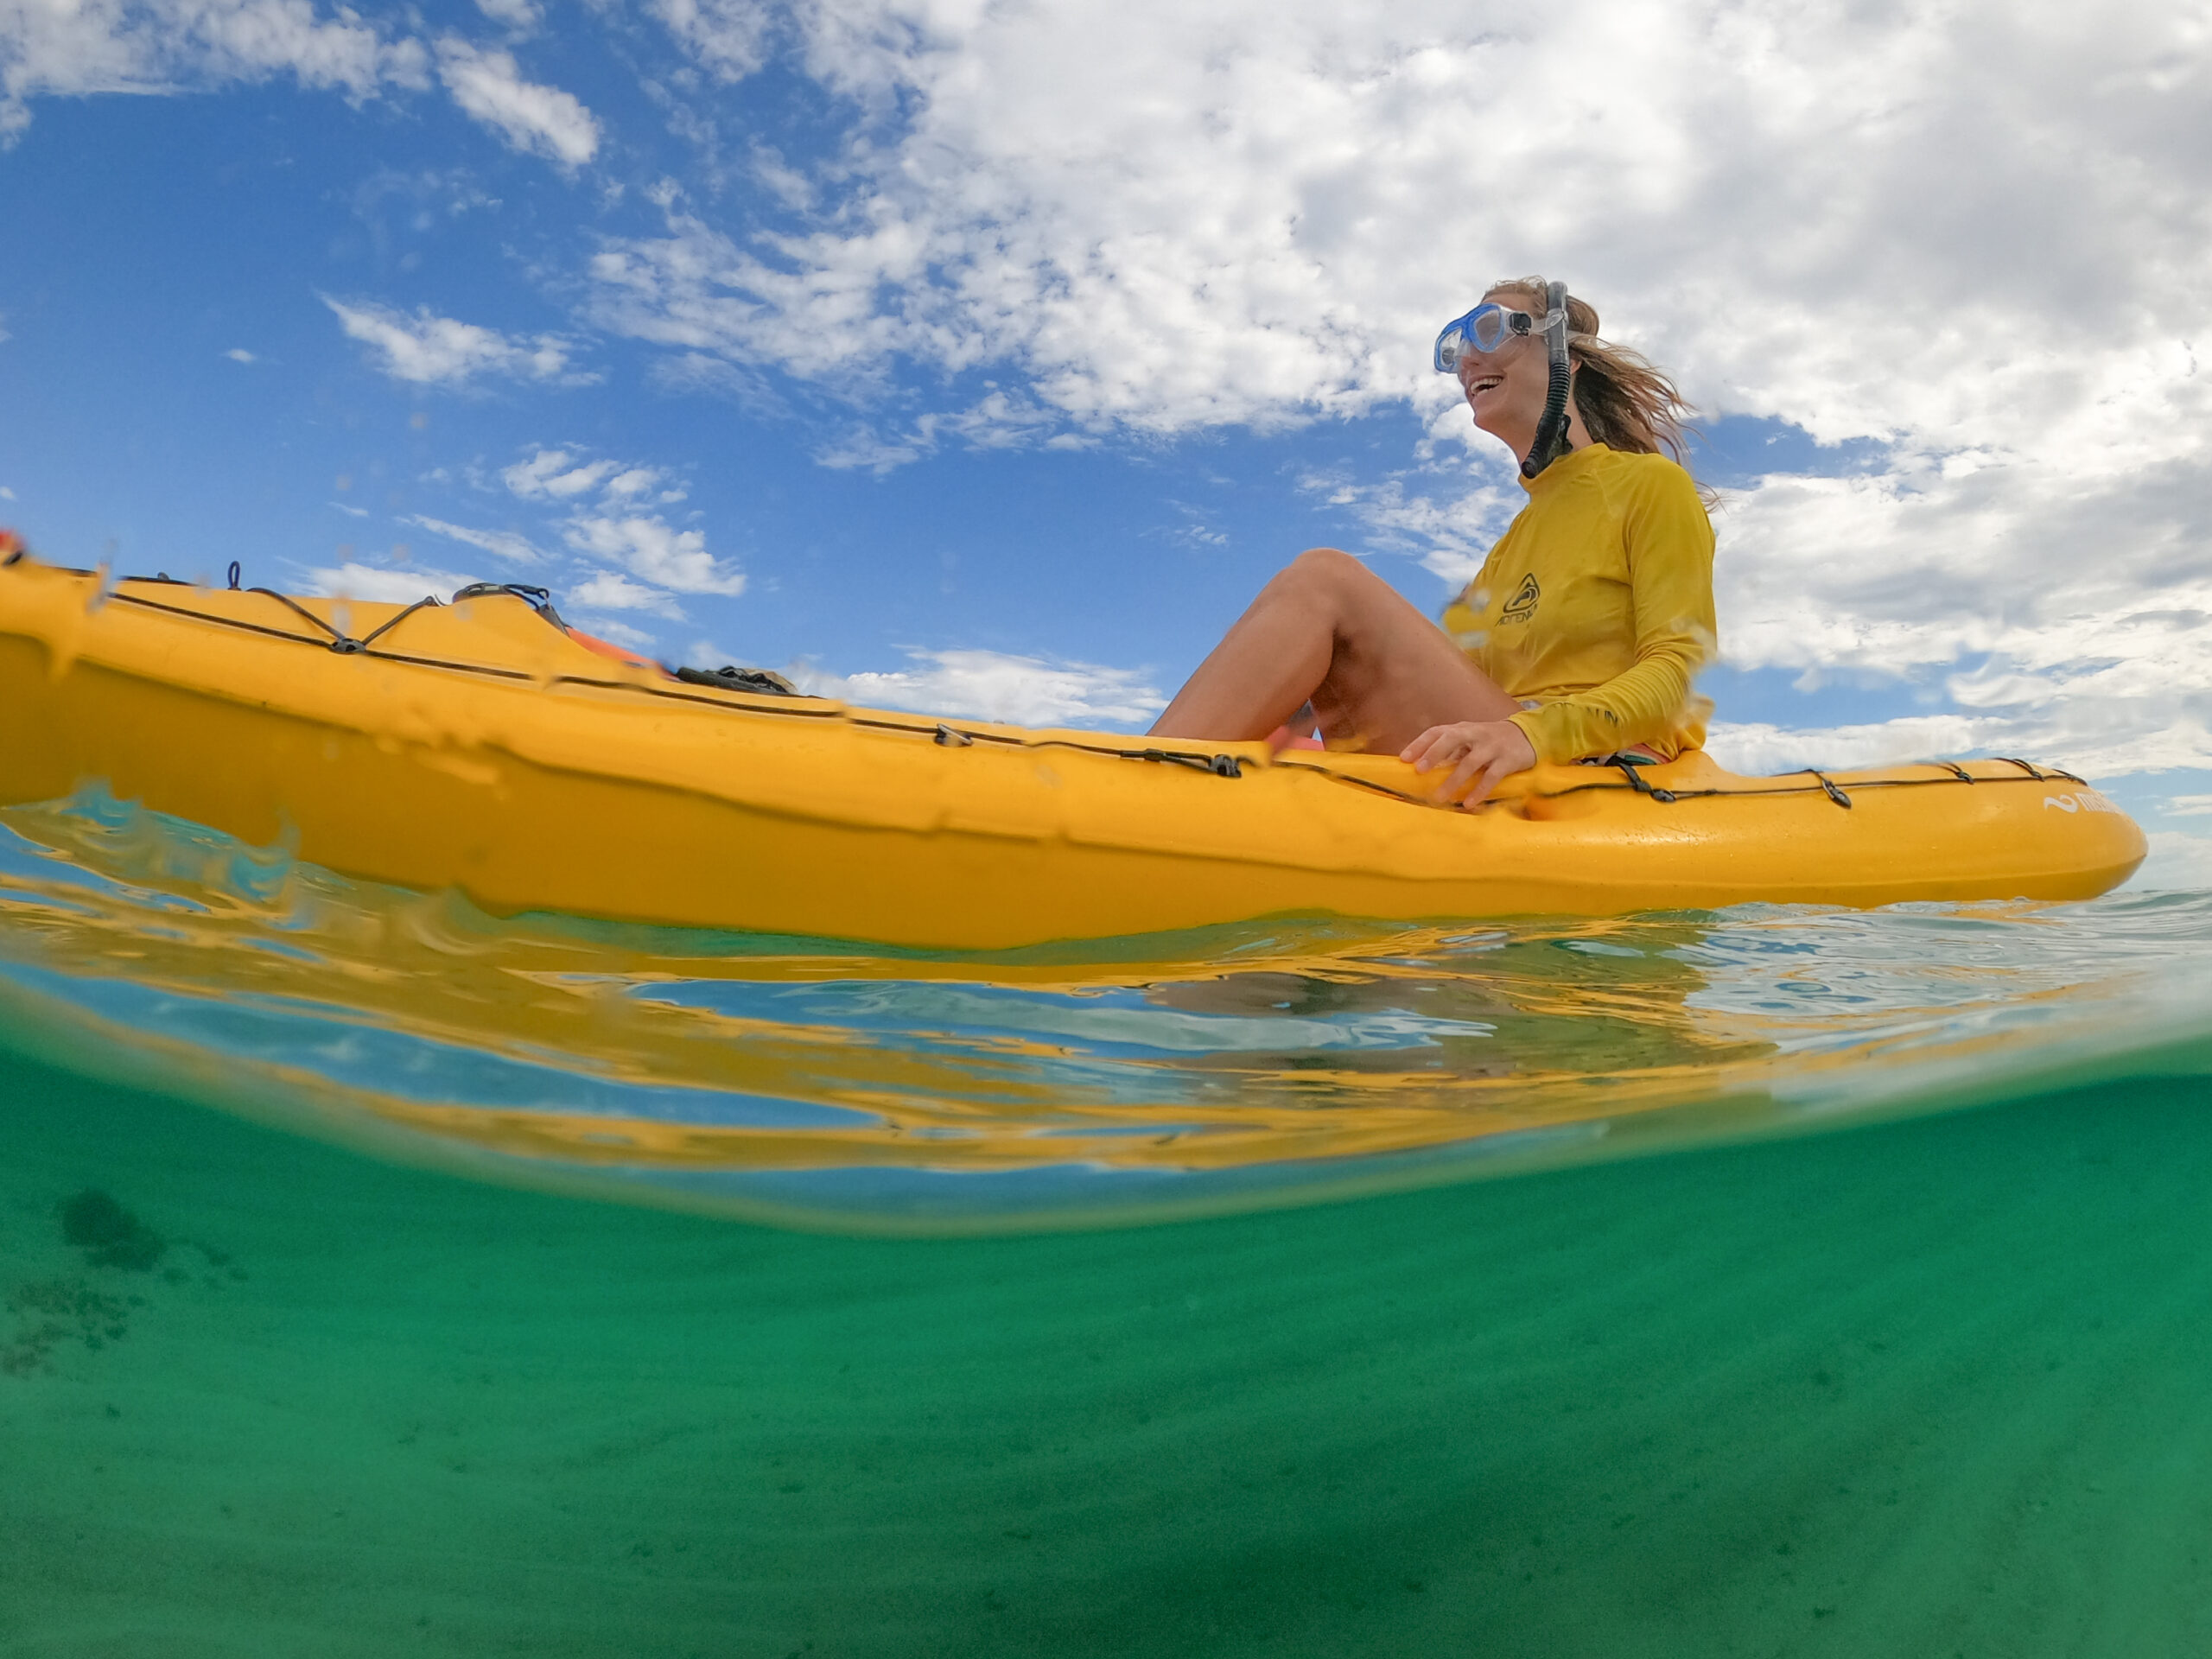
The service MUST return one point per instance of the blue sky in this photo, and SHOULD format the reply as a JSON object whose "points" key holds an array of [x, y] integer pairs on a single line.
{"points": [[987, 359]]}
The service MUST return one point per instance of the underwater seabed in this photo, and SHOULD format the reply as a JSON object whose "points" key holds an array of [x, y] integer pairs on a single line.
{"points": [[1933, 1387]]}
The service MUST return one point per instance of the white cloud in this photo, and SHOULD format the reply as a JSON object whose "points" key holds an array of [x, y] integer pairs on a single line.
{"points": [[382, 585], [632, 483], [1248, 213], [239, 354], [1757, 749], [74, 47], [2190, 806], [1450, 536], [1236, 211], [706, 651], [610, 520], [863, 450], [622, 633], [538, 120], [997, 421], [556, 473], [2078, 735], [651, 548], [990, 685], [2177, 861], [502, 544], [561, 475], [715, 377], [520, 16], [609, 590], [430, 350], [729, 37]]}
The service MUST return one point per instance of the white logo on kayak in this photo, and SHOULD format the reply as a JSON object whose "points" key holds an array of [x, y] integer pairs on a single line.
{"points": [[2085, 800]]}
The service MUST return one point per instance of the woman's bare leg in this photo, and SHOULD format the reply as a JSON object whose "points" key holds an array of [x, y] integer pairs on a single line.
{"points": [[1329, 630]]}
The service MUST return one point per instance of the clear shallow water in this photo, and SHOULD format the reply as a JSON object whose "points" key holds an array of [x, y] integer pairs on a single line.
{"points": [[836, 1085], [1932, 1386]]}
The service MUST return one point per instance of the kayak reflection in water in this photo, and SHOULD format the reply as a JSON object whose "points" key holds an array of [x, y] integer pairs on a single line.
{"points": [[1582, 633]]}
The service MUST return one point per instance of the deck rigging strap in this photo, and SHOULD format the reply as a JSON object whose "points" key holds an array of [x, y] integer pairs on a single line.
{"points": [[538, 599], [1219, 766], [341, 642], [1628, 764], [1828, 785]]}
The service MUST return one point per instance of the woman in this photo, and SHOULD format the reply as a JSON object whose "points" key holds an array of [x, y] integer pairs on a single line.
{"points": [[1582, 633]]}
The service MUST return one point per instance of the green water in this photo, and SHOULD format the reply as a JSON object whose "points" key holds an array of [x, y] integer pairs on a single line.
{"points": [[380, 1277], [1935, 1386]]}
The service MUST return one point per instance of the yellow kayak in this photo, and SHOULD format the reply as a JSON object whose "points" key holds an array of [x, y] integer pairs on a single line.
{"points": [[480, 746]]}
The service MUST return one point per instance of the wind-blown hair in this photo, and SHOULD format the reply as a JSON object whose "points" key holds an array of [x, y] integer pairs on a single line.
{"points": [[1627, 400]]}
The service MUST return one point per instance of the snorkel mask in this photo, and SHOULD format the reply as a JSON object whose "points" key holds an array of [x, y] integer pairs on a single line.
{"points": [[1489, 327]]}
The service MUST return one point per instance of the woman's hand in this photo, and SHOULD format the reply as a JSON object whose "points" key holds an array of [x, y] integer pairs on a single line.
{"points": [[1481, 750]]}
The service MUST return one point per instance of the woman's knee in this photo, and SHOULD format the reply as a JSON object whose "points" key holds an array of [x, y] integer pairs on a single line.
{"points": [[1320, 572]]}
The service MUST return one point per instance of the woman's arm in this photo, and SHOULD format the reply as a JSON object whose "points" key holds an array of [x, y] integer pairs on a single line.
{"points": [[1669, 545]]}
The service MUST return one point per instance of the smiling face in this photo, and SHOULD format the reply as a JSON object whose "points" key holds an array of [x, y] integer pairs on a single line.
{"points": [[1506, 388]]}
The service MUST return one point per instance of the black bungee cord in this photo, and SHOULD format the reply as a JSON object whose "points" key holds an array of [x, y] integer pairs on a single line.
{"points": [[772, 688]]}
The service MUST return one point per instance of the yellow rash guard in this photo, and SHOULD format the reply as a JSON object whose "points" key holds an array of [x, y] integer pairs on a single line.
{"points": [[1596, 605]]}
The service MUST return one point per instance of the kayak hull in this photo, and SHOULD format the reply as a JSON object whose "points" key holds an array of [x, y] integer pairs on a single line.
{"points": [[476, 746]]}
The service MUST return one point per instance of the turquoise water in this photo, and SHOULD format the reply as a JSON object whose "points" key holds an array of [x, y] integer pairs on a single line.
{"points": [[382, 1277]]}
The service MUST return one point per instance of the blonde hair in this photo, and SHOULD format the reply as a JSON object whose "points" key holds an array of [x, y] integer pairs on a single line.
{"points": [[1625, 400]]}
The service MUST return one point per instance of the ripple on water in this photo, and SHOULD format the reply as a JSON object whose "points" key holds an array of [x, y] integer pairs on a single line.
{"points": [[854, 1086]]}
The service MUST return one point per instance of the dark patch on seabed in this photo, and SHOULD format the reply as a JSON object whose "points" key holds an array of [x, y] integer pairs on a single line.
{"points": [[108, 1235], [1938, 1388]]}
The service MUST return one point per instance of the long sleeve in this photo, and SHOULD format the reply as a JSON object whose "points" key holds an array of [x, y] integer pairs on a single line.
{"points": [[1667, 542]]}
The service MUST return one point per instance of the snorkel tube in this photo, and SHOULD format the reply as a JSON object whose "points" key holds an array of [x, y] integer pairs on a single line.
{"points": [[1551, 431]]}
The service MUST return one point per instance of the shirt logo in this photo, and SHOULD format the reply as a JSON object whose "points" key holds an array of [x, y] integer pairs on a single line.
{"points": [[1522, 605]]}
